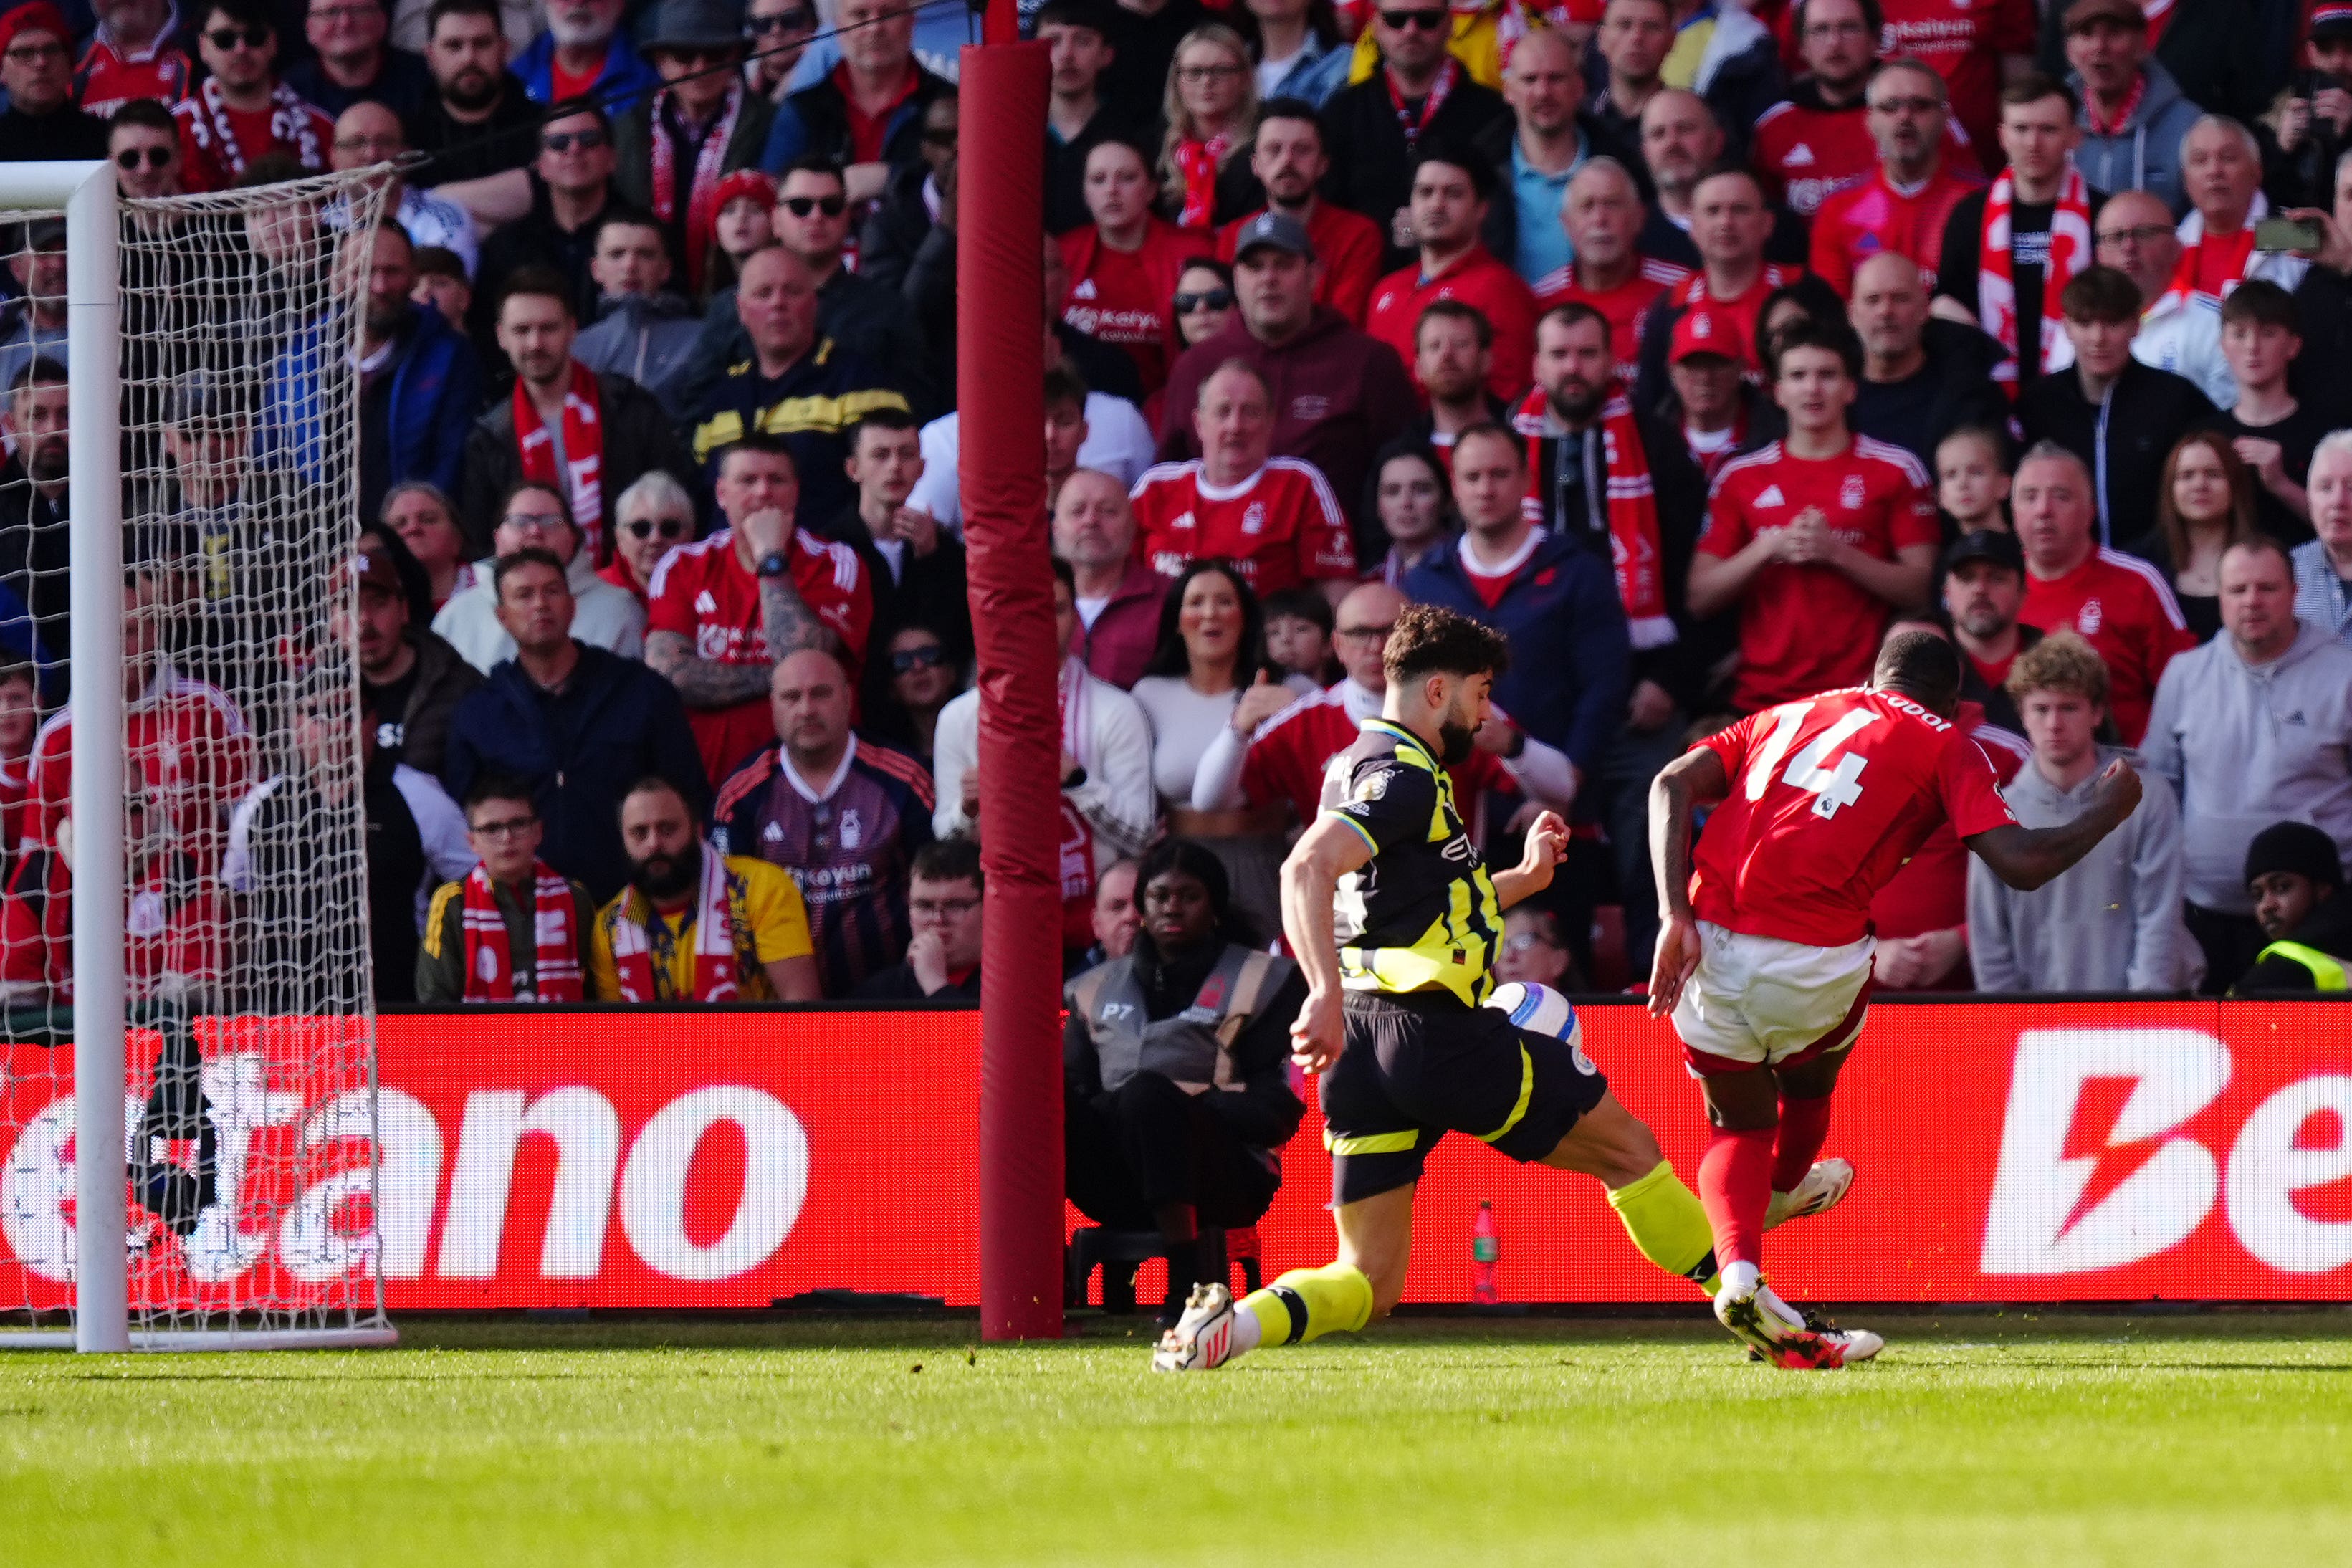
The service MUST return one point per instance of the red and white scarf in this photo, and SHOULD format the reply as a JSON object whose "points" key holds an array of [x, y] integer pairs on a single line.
{"points": [[2070, 252], [1633, 509], [1077, 836], [2235, 252], [635, 937], [490, 957], [291, 124], [1198, 162], [583, 483], [2105, 125], [702, 196], [1448, 74]]}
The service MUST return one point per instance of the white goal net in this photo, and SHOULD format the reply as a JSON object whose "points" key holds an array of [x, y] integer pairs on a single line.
{"points": [[220, 943]]}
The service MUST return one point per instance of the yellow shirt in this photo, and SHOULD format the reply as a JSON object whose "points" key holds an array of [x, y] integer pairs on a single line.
{"points": [[771, 923], [1476, 42]]}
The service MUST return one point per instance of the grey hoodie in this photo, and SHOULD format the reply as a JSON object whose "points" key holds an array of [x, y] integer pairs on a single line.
{"points": [[2146, 154], [641, 337], [2246, 746], [2112, 923]]}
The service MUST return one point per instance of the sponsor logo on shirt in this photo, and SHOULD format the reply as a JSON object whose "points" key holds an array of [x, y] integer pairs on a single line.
{"points": [[1770, 496], [2092, 615], [1309, 406]]}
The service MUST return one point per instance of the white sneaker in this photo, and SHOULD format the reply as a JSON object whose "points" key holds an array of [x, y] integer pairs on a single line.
{"points": [[1786, 1338], [1823, 1188], [1202, 1338]]}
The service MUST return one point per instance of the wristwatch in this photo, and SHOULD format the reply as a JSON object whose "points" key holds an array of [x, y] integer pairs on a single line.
{"points": [[773, 565]]}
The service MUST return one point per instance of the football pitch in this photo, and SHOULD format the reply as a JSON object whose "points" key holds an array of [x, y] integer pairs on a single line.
{"points": [[2055, 1440]]}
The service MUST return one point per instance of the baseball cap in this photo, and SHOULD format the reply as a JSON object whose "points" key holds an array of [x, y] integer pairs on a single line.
{"points": [[1704, 331], [1985, 544], [1278, 229], [2083, 13], [372, 568], [2331, 20]]}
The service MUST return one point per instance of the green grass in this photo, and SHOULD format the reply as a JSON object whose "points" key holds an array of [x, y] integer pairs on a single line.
{"points": [[2051, 1442]]}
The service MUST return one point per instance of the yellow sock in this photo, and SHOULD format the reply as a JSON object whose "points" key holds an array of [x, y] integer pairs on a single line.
{"points": [[1308, 1304], [1667, 1223]]}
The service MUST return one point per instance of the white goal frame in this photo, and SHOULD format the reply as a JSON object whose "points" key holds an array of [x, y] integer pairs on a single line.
{"points": [[86, 191]]}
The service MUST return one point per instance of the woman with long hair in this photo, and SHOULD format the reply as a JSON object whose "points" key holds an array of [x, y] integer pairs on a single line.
{"points": [[1121, 269], [1411, 496], [1209, 110], [2205, 505], [1211, 661], [1174, 1068]]}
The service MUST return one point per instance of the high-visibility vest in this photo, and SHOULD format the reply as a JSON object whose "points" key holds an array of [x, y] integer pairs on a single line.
{"points": [[2327, 971]]}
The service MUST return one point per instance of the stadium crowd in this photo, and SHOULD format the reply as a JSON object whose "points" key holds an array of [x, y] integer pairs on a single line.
{"points": [[1693, 346]]}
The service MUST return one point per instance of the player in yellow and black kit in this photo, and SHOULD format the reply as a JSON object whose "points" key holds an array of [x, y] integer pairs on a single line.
{"points": [[1395, 920]]}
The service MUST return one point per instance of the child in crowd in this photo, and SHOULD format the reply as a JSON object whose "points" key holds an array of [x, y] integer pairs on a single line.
{"points": [[1972, 481], [1298, 634]]}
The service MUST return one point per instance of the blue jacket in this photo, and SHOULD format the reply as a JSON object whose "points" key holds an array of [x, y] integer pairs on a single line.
{"points": [[436, 387], [625, 82], [1571, 658], [614, 723]]}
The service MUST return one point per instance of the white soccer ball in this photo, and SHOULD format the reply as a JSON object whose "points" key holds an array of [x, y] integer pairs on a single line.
{"points": [[1538, 1008]]}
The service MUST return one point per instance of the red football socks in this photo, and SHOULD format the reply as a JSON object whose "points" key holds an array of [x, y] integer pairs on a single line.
{"points": [[1735, 1185], [1804, 1125]]}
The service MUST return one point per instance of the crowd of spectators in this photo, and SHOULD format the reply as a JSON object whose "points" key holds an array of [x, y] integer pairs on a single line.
{"points": [[1693, 346]]}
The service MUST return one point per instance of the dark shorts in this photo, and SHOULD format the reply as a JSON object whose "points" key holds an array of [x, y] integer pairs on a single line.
{"points": [[1416, 1067]]}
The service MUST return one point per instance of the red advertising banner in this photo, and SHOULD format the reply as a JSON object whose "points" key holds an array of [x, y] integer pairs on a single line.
{"points": [[2008, 1152]]}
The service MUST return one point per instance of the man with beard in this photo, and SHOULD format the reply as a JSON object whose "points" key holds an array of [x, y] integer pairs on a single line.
{"points": [[586, 51], [843, 813], [1984, 589], [696, 924], [1288, 159], [478, 120], [33, 488]]}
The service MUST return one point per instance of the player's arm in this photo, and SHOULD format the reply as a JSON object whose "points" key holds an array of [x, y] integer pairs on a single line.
{"points": [[1695, 778], [1547, 847], [1326, 851], [2026, 857]]}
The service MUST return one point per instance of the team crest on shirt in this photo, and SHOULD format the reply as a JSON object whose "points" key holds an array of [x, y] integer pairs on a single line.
{"points": [[2092, 615], [1253, 517], [1850, 493], [853, 829], [1309, 406]]}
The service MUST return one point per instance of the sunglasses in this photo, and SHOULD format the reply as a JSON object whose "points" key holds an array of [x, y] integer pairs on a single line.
{"points": [[227, 38], [1400, 20], [788, 22], [667, 527], [129, 158], [564, 141], [801, 207], [905, 661], [1214, 300]]}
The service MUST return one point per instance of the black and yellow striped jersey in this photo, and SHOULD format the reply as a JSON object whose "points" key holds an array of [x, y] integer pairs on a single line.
{"points": [[1422, 914]]}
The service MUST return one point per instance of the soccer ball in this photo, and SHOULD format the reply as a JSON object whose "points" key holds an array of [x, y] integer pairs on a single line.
{"points": [[1538, 1008]]}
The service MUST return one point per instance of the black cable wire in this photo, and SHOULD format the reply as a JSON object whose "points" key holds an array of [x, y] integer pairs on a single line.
{"points": [[611, 100]]}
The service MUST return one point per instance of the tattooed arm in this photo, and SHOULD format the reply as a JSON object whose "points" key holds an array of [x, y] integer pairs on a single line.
{"points": [[702, 682], [785, 621], [788, 622]]}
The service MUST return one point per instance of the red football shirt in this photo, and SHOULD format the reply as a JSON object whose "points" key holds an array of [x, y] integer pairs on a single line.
{"points": [[1804, 629], [1931, 891], [704, 593], [1288, 757], [1281, 524], [1484, 283], [1627, 306], [1964, 41], [2124, 608], [1746, 308], [189, 742], [1348, 250], [1855, 225], [1829, 797]]}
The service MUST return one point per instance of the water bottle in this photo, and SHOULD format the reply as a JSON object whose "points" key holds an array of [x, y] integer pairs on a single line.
{"points": [[1484, 1249]]}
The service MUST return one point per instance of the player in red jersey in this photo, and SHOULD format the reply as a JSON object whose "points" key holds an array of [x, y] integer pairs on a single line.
{"points": [[1602, 213], [1764, 956], [1275, 516]]}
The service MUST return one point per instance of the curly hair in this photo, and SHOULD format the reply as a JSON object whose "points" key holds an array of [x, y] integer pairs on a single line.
{"points": [[2061, 662]]}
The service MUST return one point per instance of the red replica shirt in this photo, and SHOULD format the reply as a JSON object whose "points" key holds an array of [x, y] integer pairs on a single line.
{"points": [[1964, 41], [1627, 306], [2124, 608], [188, 742], [106, 79], [1124, 297], [1288, 755], [1931, 891], [1743, 309], [1804, 629], [1855, 225], [704, 593], [1348, 250], [164, 931], [1481, 282], [1281, 524], [207, 166], [1829, 797]]}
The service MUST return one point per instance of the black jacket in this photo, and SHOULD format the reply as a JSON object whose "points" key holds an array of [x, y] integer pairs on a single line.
{"points": [[534, 238], [1959, 268], [33, 549], [2147, 411], [815, 120], [63, 135], [1999, 707], [443, 680], [1372, 166], [1953, 388], [638, 439], [614, 723], [860, 314], [509, 138], [929, 592], [2328, 927], [897, 983]]}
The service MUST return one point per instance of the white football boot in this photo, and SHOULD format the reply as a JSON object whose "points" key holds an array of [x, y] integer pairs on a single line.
{"points": [[1202, 1338], [1823, 1188], [1786, 1338]]}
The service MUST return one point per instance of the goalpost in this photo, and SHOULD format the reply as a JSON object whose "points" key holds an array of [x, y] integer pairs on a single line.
{"points": [[188, 1143]]}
